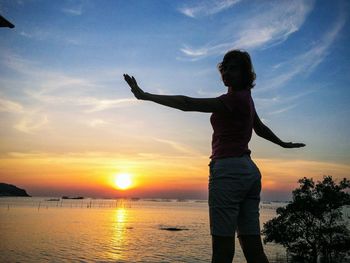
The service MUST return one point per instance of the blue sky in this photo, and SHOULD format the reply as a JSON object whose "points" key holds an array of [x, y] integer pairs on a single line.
{"points": [[62, 91]]}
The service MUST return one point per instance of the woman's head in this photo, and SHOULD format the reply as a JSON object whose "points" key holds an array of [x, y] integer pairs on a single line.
{"points": [[237, 70]]}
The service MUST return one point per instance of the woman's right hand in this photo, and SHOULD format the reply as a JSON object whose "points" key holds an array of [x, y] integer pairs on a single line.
{"points": [[135, 89]]}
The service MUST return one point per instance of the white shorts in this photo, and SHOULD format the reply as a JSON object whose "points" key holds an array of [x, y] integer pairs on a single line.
{"points": [[234, 196]]}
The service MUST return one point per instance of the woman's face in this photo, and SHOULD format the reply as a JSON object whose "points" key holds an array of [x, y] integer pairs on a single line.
{"points": [[231, 74]]}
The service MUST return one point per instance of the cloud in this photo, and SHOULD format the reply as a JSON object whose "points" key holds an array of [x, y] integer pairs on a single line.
{"points": [[10, 106], [100, 105], [45, 80], [18, 63], [206, 8], [93, 104], [28, 120], [39, 34], [277, 101], [305, 62], [265, 26], [57, 88], [74, 11], [31, 122], [96, 123], [46, 34], [318, 53], [283, 109], [177, 146], [26, 34]]}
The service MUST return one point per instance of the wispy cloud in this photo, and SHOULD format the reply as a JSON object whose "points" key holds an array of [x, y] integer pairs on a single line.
{"points": [[208, 7], [283, 109], [299, 65], [31, 122], [56, 88], [26, 34], [75, 8], [282, 100], [100, 105], [305, 62], [318, 53], [264, 26], [45, 34], [18, 63], [277, 104], [44, 79], [177, 146], [10, 106], [96, 123], [38, 34], [93, 104], [75, 11], [28, 119]]}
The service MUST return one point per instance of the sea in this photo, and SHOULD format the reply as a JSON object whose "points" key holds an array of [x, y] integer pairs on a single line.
{"points": [[49, 229]]}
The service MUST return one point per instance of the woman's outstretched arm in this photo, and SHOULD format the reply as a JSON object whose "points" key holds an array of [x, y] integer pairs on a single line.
{"points": [[180, 102], [263, 131]]}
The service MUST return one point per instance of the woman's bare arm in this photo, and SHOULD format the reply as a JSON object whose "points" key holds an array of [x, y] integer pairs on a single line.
{"points": [[263, 131], [185, 103], [180, 102]]}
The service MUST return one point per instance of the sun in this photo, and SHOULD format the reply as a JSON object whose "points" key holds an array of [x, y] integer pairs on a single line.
{"points": [[123, 181]]}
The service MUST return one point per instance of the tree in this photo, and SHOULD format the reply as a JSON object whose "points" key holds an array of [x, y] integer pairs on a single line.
{"points": [[312, 226]]}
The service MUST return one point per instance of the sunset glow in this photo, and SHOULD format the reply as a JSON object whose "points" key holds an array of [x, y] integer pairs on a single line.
{"points": [[71, 127], [123, 181]]}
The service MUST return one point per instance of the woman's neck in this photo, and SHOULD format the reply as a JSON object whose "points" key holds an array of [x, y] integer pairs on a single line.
{"points": [[232, 89]]}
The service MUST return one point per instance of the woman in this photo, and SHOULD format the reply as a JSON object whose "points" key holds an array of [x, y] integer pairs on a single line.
{"points": [[235, 181]]}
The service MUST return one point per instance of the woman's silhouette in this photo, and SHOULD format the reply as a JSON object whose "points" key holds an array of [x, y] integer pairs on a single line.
{"points": [[234, 181]]}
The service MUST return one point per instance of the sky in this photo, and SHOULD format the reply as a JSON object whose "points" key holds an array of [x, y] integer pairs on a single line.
{"points": [[69, 124]]}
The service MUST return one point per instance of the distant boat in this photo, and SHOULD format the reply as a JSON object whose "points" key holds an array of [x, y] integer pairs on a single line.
{"points": [[152, 200], [67, 197], [201, 201], [53, 199]]}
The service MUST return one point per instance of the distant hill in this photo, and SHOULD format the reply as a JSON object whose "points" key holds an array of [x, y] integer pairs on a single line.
{"points": [[11, 190]]}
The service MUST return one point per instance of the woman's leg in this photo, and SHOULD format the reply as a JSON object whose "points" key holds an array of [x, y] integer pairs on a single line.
{"points": [[253, 249], [223, 249]]}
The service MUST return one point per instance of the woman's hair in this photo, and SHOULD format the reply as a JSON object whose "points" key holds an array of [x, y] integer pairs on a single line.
{"points": [[245, 64]]}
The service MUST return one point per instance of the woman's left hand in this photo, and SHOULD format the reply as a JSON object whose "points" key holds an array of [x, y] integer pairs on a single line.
{"points": [[292, 145], [135, 89]]}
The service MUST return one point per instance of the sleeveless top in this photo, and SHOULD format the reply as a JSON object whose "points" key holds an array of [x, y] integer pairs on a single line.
{"points": [[233, 129]]}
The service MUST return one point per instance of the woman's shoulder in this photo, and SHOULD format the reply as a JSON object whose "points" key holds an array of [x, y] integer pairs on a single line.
{"points": [[239, 100], [244, 95]]}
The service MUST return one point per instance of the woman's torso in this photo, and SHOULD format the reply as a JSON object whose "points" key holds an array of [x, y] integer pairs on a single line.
{"points": [[233, 129]]}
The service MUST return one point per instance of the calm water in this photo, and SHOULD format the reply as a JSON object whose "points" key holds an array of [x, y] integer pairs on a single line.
{"points": [[93, 230]]}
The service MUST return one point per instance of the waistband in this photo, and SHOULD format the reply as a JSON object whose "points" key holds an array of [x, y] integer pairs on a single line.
{"points": [[213, 161]]}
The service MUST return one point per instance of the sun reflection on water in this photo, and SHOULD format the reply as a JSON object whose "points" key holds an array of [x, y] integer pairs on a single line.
{"points": [[119, 238], [120, 215]]}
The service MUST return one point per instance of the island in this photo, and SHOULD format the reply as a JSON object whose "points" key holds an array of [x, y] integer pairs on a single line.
{"points": [[11, 190]]}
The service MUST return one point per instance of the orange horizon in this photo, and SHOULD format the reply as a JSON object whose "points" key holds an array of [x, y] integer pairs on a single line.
{"points": [[92, 175]]}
